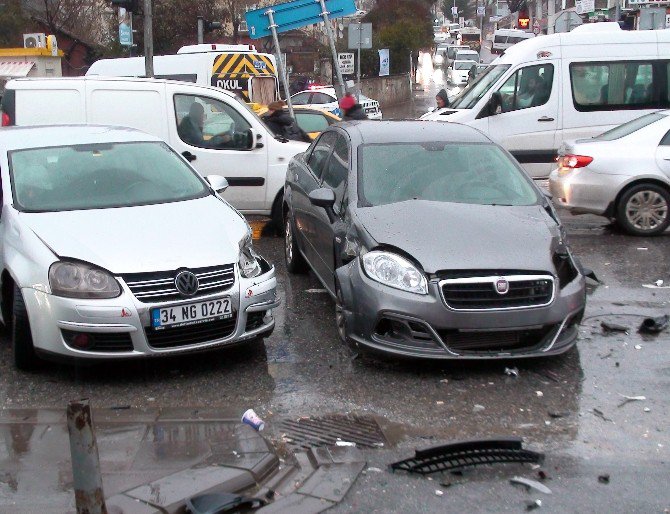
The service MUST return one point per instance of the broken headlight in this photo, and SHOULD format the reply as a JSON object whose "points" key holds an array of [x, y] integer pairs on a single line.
{"points": [[248, 259]]}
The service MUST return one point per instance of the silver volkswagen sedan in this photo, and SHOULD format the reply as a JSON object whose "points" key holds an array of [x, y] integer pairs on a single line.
{"points": [[112, 246]]}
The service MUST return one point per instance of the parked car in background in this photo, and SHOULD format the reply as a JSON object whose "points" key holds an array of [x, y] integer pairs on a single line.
{"points": [[623, 174], [459, 72], [233, 140], [466, 55], [505, 38], [313, 121], [113, 247], [325, 98], [361, 207]]}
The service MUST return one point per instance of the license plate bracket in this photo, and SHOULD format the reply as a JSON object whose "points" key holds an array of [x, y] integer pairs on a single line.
{"points": [[175, 316]]}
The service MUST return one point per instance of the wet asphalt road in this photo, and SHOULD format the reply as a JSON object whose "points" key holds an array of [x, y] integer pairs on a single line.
{"points": [[303, 370]]}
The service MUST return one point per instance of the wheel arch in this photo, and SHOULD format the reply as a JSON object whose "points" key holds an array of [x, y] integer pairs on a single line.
{"points": [[637, 182], [6, 296]]}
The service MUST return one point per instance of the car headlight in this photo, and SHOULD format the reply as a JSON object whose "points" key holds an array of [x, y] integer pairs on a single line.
{"points": [[80, 280], [248, 260], [394, 271]]}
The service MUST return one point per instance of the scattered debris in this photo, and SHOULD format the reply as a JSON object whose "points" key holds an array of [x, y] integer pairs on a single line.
{"points": [[456, 456], [253, 420], [478, 408], [638, 347], [438, 492], [530, 484], [539, 394], [659, 283], [439, 402], [512, 372], [315, 291], [558, 414], [607, 355], [647, 409], [604, 479], [444, 381], [344, 443], [550, 375], [643, 248], [628, 399], [600, 414], [542, 474], [656, 285], [374, 470], [446, 484], [534, 505], [608, 326], [654, 325]]}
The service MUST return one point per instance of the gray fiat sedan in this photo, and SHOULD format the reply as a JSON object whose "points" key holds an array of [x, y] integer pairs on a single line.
{"points": [[433, 242]]}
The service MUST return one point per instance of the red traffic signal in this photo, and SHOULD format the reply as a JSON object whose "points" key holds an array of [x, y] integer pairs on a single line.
{"points": [[524, 20]]}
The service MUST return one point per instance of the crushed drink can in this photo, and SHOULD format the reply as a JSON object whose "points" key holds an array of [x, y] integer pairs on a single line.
{"points": [[252, 419]]}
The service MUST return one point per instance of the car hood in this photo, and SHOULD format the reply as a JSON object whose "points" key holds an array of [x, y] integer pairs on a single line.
{"points": [[190, 234], [442, 236]]}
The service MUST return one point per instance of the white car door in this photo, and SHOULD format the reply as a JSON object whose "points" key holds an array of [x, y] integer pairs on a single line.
{"points": [[220, 144], [530, 118]]}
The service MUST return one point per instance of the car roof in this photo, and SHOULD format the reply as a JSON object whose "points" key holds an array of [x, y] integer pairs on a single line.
{"points": [[410, 131], [18, 138], [329, 90]]}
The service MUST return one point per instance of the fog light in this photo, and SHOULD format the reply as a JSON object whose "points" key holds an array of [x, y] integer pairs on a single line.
{"points": [[268, 316], [81, 341]]}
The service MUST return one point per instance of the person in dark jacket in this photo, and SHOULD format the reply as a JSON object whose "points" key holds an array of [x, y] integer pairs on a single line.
{"points": [[442, 99], [281, 124], [351, 109]]}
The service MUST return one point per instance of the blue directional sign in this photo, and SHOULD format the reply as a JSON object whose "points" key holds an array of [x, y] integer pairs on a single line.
{"points": [[294, 15]]}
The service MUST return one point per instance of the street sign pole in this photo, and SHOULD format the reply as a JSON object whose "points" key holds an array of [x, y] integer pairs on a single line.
{"points": [[331, 40], [358, 64], [201, 30], [280, 61], [148, 40]]}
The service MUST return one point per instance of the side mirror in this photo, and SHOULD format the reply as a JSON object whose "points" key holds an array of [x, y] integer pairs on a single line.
{"points": [[322, 197], [252, 139], [495, 103], [218, 183]]}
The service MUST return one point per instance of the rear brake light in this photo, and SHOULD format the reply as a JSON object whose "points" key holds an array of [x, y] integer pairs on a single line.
{"points": [[6, 120], [574, 161]]}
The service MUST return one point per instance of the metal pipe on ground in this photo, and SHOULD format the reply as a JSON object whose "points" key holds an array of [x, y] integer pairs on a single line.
{"points": [[87, 478]]}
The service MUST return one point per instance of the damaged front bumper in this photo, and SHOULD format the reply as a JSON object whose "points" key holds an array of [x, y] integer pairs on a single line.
{"points": [[383, 319]]}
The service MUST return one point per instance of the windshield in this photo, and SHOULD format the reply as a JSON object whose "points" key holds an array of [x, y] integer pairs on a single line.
{"points": [[630, 127], [469, 97], [101, 176], [480, 174], [464, 65]]}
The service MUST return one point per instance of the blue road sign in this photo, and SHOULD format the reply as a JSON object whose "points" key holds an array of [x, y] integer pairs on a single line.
{"points": [[294, 15]]}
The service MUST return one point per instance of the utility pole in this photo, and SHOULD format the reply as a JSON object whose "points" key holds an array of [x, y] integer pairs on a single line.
{"points": [[201, 30], [551, 15], [329, 31], [280, 61], [148, 40]]}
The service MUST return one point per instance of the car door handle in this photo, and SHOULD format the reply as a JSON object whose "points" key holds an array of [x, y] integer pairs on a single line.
{"points": [[189, 156], [545, 118]]}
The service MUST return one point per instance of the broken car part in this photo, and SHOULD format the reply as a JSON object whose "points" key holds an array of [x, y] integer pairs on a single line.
{"points": [[654, 325], [531, 484], [462, 454], [613, 327], [219, 503]]}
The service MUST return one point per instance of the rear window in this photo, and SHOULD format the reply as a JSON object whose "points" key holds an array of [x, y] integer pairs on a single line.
{"points": [[500, 39], [630, 127]]}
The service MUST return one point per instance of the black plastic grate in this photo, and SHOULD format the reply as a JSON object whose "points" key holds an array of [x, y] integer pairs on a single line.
{"points": [[327, 430], [463, 454]]}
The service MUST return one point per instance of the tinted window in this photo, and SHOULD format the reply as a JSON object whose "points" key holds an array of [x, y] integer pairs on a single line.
{"points": [[100, 176], [322, 98], [209, 123], [630, 127], [337, 170], [469, 97], [528, 87], [441, 172], [311, 121], [301, 98], [319, 155], [601, 86]]}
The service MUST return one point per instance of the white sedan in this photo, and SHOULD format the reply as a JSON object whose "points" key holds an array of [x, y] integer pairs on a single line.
{"points": [[623, 174], [459, 72], [112, 246], [325, 98]]}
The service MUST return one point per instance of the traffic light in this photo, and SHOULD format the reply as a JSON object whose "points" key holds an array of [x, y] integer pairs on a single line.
{"points": [[128, 5], [211, 25], [524, 20]]}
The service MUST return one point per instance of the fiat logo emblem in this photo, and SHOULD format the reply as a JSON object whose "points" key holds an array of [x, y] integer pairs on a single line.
{"points": [[186, 283], [502, 286]]}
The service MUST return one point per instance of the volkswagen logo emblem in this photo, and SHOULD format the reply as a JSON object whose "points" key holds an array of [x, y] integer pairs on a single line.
{"points": [[502, 286], [186, 283]]}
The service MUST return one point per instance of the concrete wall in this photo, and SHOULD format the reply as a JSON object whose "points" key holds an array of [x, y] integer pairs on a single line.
{"points": [[388, 91]]}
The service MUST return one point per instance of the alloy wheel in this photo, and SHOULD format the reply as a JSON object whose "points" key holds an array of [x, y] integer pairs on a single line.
{"points": [[646, 210], [288, 241], [340, 320]]}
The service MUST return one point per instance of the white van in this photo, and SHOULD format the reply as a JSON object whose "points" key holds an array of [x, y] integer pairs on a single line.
{"points": [[504, 38], [565, 86], [234, 142], [240, 69]]}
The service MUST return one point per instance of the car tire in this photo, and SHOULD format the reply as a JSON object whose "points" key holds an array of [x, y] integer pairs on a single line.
{"points": [[276, 216], [295, 262], [644, 210], [22, 339]]}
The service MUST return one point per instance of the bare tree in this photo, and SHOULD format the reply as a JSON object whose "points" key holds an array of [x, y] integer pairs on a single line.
{"points": [[86, 20]]}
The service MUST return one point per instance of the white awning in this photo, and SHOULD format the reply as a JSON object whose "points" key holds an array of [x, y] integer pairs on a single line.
{"points": [[15, 69]]}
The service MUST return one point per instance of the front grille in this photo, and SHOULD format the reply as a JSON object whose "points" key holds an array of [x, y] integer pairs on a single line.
{"points": [[160, 286], [98, 342], [498, 341], [192, 334], [480, 293]]}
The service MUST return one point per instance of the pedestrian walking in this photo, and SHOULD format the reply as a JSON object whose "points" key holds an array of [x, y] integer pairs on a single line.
{"points": [[351, 109]]}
